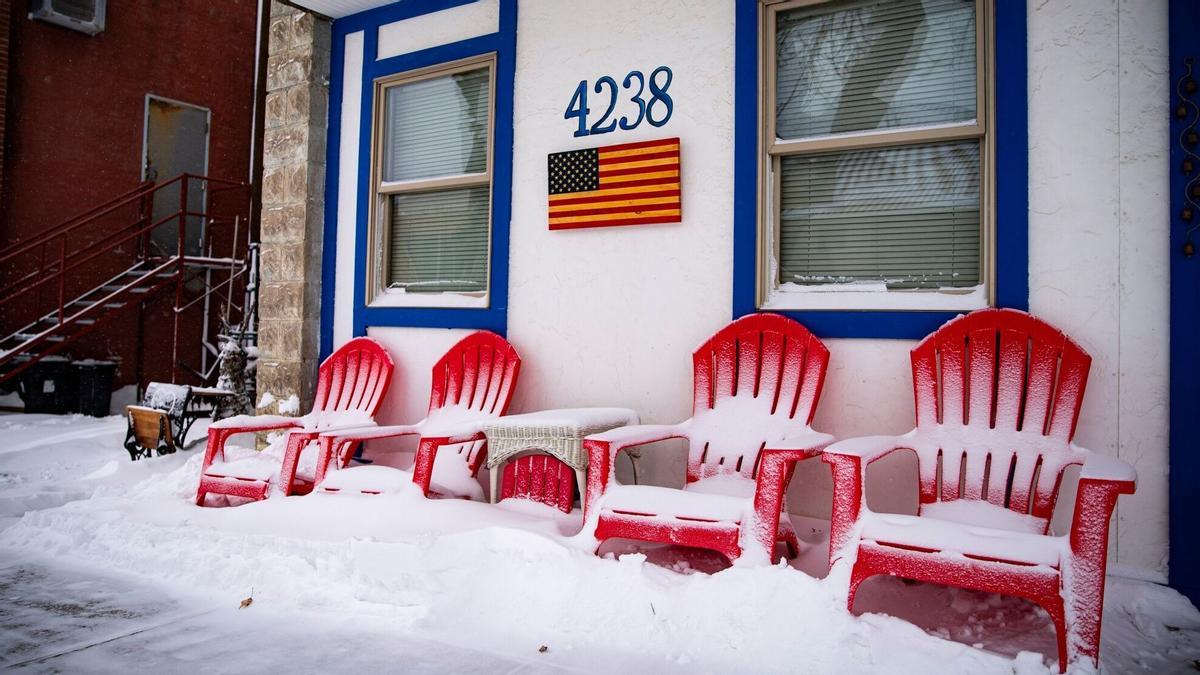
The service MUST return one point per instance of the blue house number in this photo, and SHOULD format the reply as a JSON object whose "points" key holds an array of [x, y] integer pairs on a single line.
{"points": [[656, 111]]}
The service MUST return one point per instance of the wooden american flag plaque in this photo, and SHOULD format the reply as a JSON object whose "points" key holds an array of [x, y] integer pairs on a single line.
{"points": [[627, 184]]}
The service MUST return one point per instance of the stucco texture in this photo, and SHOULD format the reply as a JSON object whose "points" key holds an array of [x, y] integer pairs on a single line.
{"points": [[610, 316]]}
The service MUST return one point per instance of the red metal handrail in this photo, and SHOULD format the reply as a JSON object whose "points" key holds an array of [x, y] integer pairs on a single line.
{"points": [[143, 188], [71, 261]]}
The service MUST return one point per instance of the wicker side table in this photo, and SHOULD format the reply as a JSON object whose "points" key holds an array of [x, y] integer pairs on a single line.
{"points": [[558, 433]]}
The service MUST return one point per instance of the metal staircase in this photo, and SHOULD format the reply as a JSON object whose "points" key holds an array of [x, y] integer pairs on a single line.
{"points": [[49, 297]]}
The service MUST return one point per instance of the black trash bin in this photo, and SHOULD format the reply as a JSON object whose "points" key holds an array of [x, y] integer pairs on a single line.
{"points": [[50, 386], [95, 386]]}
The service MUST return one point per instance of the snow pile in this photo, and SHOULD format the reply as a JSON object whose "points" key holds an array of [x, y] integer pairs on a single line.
{"points": [[499, 579], [290, 405], [510, 578]]}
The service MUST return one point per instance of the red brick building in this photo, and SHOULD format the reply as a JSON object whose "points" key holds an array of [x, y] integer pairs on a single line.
{"points": [[93, 108]]}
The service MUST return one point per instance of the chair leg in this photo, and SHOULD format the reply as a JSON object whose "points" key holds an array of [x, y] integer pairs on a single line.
{"points": [[787, 535], [296, 443], [1082, 642], [1054, 607], [857, 576]]}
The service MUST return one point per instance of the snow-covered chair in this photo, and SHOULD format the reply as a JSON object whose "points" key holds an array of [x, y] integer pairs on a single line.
{"points": [[472, 384], [997, 397], [756, 387], [351, 384]]}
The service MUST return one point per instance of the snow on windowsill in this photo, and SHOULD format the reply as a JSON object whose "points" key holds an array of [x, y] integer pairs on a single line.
{"points": [[872, 295], [399, 297]]}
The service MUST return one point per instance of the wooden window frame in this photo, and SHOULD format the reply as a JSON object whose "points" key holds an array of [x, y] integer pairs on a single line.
{"points": [[377, 292], [772, 150]]}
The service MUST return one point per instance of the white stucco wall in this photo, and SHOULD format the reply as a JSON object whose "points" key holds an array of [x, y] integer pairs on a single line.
{"points": [[609, 316]]}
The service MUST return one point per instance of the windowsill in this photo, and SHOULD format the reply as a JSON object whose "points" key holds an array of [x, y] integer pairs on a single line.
{"points": [[400, 298], [878, 298]]}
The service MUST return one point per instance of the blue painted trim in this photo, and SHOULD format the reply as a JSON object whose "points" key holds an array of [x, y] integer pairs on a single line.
{"points": [[397, 11], [1184, 575], [503, 44], [1012, 186], [1012, 156], [333, 145]]}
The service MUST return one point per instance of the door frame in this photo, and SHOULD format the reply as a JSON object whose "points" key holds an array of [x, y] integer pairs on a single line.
{"points": [[1184, 467], [207, 147], [146, 128]]}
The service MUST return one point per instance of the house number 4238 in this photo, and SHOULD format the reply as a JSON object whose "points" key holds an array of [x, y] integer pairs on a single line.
{"points": [[648, 94]]}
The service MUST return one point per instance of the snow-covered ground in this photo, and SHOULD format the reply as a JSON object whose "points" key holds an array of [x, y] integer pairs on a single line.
{"points": [[105, 564]]}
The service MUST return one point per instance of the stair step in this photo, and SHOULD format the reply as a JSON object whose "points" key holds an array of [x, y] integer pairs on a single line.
{"points": [[135, 289], [29, 336]]}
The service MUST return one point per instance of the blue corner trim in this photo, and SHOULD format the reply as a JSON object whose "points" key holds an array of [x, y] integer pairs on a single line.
{"points": [[1184, 538], [332, 166], [503, 44], [1012, 186]]}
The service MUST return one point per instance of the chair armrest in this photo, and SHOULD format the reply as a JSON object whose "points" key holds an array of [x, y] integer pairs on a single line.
{"points": [[1108, 468], [798, 447], [220, 431], [1101, 481], [602, 452], [361, 433], [247, 423], [848, 460], [775, 467], [638, 434], [867, 449]]}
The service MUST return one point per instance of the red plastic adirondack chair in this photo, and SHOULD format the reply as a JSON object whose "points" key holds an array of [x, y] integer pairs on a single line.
{"points": [[540, 478], [472, 383], [351, 384], [757, 383], [997, 397]]}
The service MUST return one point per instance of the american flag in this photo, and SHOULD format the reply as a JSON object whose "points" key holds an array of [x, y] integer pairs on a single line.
{"points": [[629, 184]]}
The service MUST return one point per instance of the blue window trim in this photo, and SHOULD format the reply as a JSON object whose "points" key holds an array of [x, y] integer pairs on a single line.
{"points": [[1011, 171], [503, 44], [1184, 537]]}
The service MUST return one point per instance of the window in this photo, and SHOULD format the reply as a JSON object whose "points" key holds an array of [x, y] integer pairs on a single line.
{"points": [[432, 179], [85, 16], [875, 189]]}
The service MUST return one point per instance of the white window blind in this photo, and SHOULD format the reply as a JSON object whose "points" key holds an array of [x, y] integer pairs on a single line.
{"points": [[437, 184], [440, 240], [437, 127], [859, 66], [905, 212], [906, 216]]}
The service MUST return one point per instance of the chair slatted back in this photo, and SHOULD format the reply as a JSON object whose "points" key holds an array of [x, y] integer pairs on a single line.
{"points": [[150, 426], [354, 378], [757, 380], [1008, 387], [479, 373]]}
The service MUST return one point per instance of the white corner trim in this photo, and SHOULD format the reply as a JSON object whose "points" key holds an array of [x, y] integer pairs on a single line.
{"points": [[347, 204]]}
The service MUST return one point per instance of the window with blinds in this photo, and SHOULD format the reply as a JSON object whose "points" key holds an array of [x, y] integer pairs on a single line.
{"points": [[876, 145], [433, 193]]}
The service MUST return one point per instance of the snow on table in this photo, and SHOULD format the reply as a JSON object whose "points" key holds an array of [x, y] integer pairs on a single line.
{"points": [[556, 432]]}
